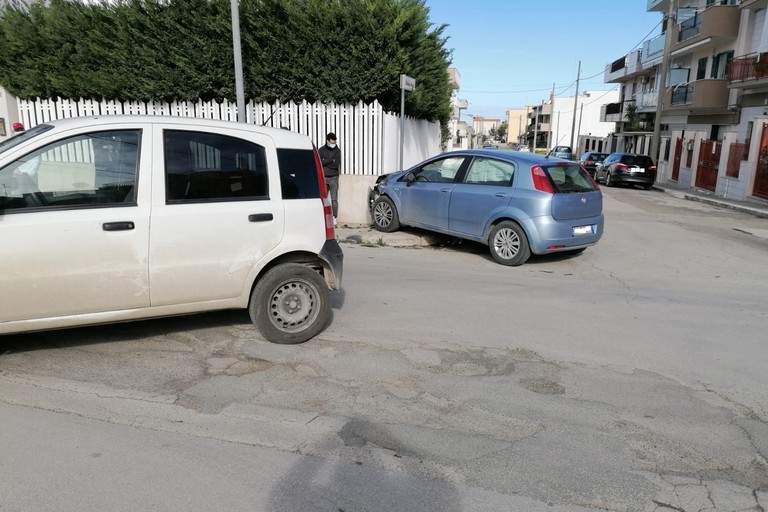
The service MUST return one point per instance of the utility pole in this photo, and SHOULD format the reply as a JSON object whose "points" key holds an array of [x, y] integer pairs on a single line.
{"points": [[535, 125], [551, 119], [581, 114], [655, 140], [575, 105], [239, 89]]}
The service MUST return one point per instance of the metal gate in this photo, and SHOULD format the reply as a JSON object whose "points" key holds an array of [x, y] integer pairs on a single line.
{"points": [[678, 157], [761, 170], [709, 163]]}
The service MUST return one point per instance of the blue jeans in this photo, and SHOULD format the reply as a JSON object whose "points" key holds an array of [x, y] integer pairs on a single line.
{"points": [[332, 182]]}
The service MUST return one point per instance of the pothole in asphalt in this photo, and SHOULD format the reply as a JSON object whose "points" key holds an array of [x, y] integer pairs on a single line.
{"points": [[542, 386]]}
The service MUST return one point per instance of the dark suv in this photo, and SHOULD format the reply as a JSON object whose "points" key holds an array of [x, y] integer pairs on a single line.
{"points": [[626, 168], [590, 159]]}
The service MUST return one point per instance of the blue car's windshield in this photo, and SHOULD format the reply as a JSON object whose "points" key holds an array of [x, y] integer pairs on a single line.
{"points": [[24, 136]]}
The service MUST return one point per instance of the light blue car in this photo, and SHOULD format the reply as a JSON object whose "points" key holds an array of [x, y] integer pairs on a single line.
{"points": [[516, 203]]}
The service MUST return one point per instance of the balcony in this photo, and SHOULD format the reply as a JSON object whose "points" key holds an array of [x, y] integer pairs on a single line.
{"points": [[712, 26], [646, 101], [753, 4], [611, 113], [627, 66], [653, 51], [708, 96], [748, 71], [657, 5]]}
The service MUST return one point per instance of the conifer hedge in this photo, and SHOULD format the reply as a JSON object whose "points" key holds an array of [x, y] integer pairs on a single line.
{"points": [[320, 50]]}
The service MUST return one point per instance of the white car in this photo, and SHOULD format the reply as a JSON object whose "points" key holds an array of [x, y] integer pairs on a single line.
{"points": [[117, 218]]}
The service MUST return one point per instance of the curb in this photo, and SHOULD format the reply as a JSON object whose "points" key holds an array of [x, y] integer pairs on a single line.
{"points": [[366, 235]]}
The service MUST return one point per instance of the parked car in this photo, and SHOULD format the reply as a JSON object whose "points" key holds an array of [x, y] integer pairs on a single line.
{"points": [[523, 148], [590, 159], [626, 168], [117, 218], [563, 152], [516, 203]]}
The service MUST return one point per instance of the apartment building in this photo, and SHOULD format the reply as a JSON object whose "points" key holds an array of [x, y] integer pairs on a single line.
{"points": [[482, 125], [563, 120], [714, 99], [517, 124], [457, 128]]}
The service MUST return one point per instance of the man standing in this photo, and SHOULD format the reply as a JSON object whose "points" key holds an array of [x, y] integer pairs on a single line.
{"points": [[330, 158]]}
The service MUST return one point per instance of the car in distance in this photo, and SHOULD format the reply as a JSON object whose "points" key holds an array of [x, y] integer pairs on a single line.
{"points": [[524, 148], [626, 168], [563, 152], [119, 218], [590, 159], [516, 203]]}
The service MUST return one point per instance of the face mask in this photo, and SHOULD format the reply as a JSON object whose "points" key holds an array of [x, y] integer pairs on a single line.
{"points": [[330, 145]]}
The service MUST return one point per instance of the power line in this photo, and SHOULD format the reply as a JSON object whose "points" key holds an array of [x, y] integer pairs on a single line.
{"points": [[566, 88]]}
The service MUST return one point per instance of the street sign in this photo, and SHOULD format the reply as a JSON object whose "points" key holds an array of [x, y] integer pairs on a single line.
{"points": [[407, 83]]}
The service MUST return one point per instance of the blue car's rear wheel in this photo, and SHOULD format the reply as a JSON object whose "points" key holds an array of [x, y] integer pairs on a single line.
{"points": [[508, 244]]}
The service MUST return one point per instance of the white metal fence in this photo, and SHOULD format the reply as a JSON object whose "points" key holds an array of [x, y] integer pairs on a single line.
{"points": [[368, 136]]}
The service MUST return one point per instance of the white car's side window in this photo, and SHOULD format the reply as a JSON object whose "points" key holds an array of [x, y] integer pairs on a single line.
{"points": [[92, 169], [203, 166]]}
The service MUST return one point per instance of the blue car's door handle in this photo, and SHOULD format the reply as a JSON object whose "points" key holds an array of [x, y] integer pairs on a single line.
{"points": [[445, 190], [500, 194]]}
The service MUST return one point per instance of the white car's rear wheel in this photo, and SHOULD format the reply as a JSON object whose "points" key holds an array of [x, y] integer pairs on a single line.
{"points": [[290, 304]]}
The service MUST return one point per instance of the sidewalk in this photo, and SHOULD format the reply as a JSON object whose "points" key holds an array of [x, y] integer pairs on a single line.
{"points": [[365, 234], [756, 208]]}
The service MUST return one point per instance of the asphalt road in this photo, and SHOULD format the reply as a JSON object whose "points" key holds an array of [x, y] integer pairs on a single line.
{"points": [[631, 377]]}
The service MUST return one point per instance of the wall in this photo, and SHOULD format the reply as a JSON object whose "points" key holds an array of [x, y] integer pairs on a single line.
{"points": [[8, 113]]}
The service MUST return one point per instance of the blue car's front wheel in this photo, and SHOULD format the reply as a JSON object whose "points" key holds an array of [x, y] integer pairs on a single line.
{"points": [[384, 215], [508, 244]]}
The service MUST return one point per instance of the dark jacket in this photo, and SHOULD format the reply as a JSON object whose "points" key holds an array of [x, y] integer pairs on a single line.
{"points": [[331, 160]]}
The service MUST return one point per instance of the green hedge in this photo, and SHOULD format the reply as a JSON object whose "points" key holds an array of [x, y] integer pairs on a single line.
{"points": [[319, 50]]}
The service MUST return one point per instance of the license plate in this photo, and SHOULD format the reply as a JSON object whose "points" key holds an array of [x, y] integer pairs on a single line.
{"points": [[636, 169], [582, 230]]}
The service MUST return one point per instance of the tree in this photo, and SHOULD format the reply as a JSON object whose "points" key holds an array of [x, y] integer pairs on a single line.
{"points": [[632, 117], [341, 51], [502, 131]]}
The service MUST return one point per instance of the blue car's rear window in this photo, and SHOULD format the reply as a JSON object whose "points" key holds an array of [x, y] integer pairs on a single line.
{"points": [[569, 179]]}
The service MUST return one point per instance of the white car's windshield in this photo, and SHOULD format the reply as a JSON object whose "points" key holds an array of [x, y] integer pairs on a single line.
{"points": [[24, 136]]}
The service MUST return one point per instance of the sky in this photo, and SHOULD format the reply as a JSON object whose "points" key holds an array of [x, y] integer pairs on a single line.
{"points": [[510, 52]]}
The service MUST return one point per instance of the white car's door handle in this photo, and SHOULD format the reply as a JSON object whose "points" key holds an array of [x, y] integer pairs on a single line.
{"points": [[259, 217], [118, 226]]}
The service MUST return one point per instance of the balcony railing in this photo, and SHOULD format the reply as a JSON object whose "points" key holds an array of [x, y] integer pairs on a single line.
{"points": [[749, 67], [682, 94], [689, 28], [653, 48], [646, 100]]}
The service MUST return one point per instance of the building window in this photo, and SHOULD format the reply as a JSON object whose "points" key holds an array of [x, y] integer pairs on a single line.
{"points": [[720, 64], [701, 71]]}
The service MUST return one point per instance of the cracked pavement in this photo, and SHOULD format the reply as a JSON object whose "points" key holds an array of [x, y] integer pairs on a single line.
{"points": [[607, 381]]}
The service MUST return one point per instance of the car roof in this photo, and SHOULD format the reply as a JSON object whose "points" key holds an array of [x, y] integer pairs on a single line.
{"points": [[283, 135], [507, 154]]}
